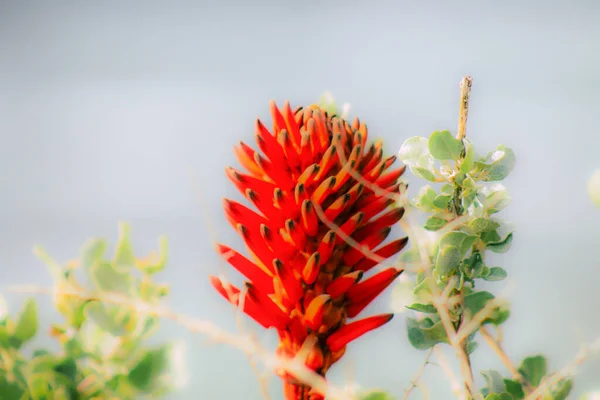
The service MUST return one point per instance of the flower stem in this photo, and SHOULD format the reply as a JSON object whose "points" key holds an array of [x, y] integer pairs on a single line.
{"points": [[465, 93]]}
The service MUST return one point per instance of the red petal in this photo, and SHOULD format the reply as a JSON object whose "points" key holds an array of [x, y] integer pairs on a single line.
{"points": [[387, 219], [354, 330], [341, 285], [292, 286], [243, 182], [254, 273], [363, 293], [311, 269], [354, 255], [289, 150], [291, 124], [296, 234], [323, 190], [238, 213], [384, 252], [310, 221], [313, 316], [326, 246], [350, 226], [268, 144]]}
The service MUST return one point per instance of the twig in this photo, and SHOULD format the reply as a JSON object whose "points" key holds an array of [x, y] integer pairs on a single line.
{"points": [[454, 383], [568, 370], [495, 346], [241, 342], [414, 382], [441, 306], [465, 93]]}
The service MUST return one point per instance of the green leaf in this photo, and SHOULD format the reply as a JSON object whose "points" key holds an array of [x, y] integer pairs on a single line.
{"points": [[124, 258], [55, 269], [499, 396], [11, 390], [443, 146], [515, 389], [424, 334], [441, 201], [501, 247], [494, 382], [108, 279], [424, 308], [478, 225], [434, 223], [471, 347], [92, 252], [424, 200], [415, 153], [495, 274], [113, 319], [412, 150], [498, 164], [27, 322], [154, 266], [496, 198], [146, 373], [561, 390], [533, 369], [447, 260], [475, 302], [458, 239], [423, 173], [468, 161], [67, 367], [375, 395]]}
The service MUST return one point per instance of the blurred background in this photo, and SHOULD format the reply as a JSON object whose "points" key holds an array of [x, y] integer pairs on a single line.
{"points": [[128, 111]]}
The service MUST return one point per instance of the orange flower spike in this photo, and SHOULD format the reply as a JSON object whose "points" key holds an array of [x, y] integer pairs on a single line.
{"points": [[302, 277]]}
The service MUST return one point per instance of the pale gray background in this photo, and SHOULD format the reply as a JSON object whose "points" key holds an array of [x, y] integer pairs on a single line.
{"points": [[129, 110]]}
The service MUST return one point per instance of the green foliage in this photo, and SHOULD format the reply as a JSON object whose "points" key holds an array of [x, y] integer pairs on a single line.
{"points": [[375, 395], [103, 351]]}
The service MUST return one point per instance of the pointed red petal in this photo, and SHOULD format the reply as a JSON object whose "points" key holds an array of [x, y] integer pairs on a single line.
{"points": [[313, 316], [341, 285], [350, 226], [355, 329], [384, 252], [238, 213], [291, 124], [310, 221], [326, 246], [311, 270], [292, 286], [253, 272], [387, 219], [362, 294], [354, 255]]}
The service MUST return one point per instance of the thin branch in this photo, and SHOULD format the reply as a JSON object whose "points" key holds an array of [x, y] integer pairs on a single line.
{"points": [[414, 382], [568, 370], [454, 383], [497, 348], [465, 94], [243, 343]]}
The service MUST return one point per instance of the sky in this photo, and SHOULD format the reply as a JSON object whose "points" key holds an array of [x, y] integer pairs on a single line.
{"points": [[129, 111]]}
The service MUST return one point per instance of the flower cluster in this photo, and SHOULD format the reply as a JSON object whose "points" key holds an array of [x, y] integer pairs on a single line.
{"points": [[317, 183]]}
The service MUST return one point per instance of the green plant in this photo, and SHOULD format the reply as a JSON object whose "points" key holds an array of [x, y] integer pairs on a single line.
{"points": [[103, 352]]}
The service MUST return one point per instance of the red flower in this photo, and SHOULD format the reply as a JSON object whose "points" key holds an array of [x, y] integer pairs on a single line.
{"points": [[303, 278]]}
